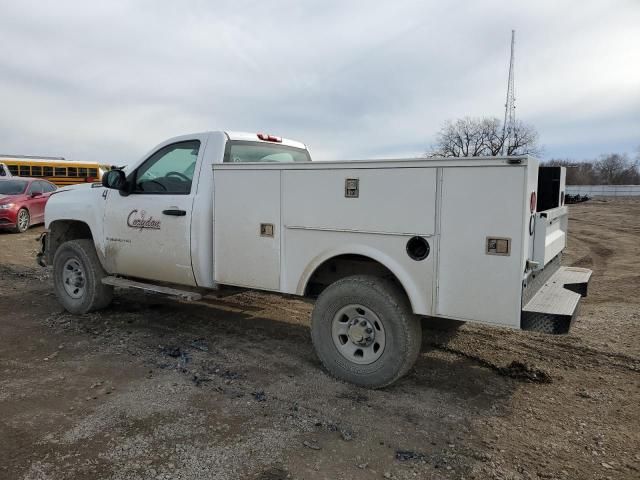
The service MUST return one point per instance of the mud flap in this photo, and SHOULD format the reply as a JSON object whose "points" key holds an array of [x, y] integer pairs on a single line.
{"points": [[41, 257], [554, 307]]}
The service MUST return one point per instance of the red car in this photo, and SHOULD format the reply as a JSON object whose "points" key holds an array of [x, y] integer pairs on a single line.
{"points": [[22, 202]]}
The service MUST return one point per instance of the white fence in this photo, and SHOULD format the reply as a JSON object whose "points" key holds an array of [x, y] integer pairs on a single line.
{"points": [[604, 190]]}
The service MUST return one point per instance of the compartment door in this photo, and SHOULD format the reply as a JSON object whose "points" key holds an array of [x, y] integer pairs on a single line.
{"points": [[247, 228], [474, 282]]}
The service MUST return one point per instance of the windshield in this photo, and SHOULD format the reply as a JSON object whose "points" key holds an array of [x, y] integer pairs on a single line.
{"points": [[12, 187], [239, 152]]}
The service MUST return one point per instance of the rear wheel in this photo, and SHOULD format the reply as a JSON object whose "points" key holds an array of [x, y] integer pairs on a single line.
{"points": [[364, 331], [22, 221], [77, 277]]}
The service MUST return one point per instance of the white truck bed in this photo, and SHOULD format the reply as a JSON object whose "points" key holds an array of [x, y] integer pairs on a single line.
{"points": [[456, 205]]}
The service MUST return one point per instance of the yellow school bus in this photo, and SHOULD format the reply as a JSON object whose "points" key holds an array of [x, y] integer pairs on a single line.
{"points": [[54, 169]]}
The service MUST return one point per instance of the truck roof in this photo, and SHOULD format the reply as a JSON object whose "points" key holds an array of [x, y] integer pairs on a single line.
{"points": [[253, 137]]}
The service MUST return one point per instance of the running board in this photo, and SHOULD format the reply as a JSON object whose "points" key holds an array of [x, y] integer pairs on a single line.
{"points": [[554, 307], [150, 287]]}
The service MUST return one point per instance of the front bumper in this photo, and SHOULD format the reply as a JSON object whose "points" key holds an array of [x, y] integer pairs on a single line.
{"points": [[8, 217], [554, 306]]}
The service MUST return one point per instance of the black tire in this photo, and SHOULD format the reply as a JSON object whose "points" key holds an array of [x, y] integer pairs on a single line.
{"points": [[93, 295], [20, 226], [402, 330]]}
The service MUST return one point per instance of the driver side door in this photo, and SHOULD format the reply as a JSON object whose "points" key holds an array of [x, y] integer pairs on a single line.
{"points": [[147, 232]]}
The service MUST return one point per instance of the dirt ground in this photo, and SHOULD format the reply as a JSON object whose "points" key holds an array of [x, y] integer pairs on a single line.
{"points": [[230, 387]]}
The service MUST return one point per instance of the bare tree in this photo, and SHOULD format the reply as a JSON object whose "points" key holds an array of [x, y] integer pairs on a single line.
{"points": [[461, 138], [617, 169], [495, 137], [523, 140], [478, 137], [578, 173], [610, 169]]}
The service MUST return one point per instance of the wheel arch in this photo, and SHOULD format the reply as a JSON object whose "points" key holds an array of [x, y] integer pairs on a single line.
{"points": [[334, 264], [61, 231], [25, 207]]}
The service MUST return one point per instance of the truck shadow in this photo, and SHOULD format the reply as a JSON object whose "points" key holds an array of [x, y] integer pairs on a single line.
{"points": [[269, 345], [277, 344], [270, 335]]}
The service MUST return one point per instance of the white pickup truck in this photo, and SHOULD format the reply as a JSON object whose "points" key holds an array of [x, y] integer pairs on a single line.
{"points": [[379, 245]]}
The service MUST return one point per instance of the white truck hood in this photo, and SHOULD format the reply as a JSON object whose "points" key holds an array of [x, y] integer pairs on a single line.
{"points": [[79, 186]]}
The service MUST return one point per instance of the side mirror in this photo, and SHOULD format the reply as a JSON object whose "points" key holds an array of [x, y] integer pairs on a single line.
{"points": [[114, 179], [36, 194]]}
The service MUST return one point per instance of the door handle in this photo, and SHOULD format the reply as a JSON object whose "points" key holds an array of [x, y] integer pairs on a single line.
{"points": [[175, 212]]}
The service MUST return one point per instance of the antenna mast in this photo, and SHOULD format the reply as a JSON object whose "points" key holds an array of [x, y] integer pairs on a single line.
{"points": [[510, 105]]}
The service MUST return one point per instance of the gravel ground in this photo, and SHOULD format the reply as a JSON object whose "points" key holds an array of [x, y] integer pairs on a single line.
{"points": [[230, 387]]}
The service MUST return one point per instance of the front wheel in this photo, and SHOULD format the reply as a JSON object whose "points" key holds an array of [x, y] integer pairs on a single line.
{"points": [[364, 331], [77, 277]]}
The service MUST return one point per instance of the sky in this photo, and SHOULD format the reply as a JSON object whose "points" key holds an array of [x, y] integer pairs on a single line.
{"points": [[106, 81]]}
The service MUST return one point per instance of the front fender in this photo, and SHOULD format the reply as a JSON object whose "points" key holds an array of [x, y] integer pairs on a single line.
{"points": [[82, 203]]}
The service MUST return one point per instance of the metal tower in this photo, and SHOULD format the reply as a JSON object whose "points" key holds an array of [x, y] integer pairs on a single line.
{"points": [[508, 126]]}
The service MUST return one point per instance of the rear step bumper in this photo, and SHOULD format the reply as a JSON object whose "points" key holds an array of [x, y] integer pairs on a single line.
{"points": [[554, 307]]}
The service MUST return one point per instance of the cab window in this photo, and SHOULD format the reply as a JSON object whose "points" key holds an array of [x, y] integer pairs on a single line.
{"points": [[242, 151], [169, 170]]}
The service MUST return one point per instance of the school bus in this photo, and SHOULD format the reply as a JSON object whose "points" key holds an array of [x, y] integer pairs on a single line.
{"points": [[54, 169]]}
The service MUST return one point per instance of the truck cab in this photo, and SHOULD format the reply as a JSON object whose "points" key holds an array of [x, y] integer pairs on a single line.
{"points": [[157, 224]]}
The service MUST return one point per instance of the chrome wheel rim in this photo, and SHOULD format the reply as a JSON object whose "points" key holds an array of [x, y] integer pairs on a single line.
{"points": [[358, 334], [73, 278], [23, 220]]}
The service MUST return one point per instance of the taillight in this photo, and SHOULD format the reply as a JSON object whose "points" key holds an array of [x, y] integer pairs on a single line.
{"points": [[89, 179], [269, 138], [533, 201]]}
